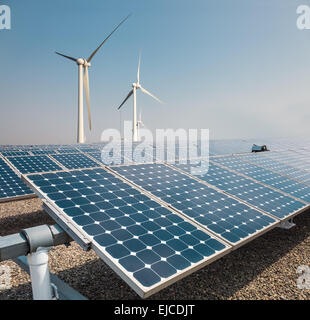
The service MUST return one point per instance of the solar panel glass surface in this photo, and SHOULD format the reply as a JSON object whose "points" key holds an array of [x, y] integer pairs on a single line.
{"points": [[75, 160], [223, 215], [11, 185], [33, 164]]}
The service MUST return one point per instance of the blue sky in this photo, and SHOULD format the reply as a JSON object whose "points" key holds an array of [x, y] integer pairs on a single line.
{"points": [[238, 67]]}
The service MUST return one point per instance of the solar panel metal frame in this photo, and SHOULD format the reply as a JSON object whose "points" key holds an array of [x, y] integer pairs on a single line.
{"points": [[235, 245], [83, 239]]}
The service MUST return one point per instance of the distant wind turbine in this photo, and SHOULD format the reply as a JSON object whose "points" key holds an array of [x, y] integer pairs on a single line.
{"points": [[135, 86], [85, 64]]}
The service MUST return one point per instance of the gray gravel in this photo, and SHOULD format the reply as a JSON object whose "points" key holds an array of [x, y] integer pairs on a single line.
{"points": [[263, 269]]}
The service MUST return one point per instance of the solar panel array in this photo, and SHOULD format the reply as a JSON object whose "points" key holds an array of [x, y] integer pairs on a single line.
{"points": [[268, 177], [258, 195], [299, 161], [154, 223], [268, 161]]}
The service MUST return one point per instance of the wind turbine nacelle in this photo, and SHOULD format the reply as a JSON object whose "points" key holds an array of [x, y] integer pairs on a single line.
{"points": [[80, 61]]}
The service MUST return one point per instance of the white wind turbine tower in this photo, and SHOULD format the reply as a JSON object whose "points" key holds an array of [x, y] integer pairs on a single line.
{"points": [[135, 86], [85, 64]]}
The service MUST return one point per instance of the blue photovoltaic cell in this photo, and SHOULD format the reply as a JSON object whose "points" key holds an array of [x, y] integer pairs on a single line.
{"points": [[149, 241], [275, 180], [75, 161], [279, 167], [225, 216], [32, 164], [10, 184], [253, 193]]}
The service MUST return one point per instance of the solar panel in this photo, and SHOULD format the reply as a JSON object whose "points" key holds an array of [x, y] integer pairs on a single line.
{"points": [[226, 217], [145, 242], [171, 152], [107, 158], [88, 148], [279, 167], [11, 187], [270, 178], [43, 151], [14, 153], [32, 164], [255, 194], [120, 153], [67, 150], [291, 158], [75, 161]]}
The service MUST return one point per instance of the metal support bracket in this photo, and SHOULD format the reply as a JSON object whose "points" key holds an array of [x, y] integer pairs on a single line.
{"points": [[40, 236], [34, 243], [64, 291], [288, 224]]}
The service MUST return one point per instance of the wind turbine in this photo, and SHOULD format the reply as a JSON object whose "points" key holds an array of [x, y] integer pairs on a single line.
{"points": [[83, 65], [135, 86]]}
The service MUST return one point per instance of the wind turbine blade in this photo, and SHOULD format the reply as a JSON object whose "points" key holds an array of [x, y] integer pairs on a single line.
{"points": [[68, 57], [138, 73], [101, 44], [86, 86], [145, 91], [128, 96]]}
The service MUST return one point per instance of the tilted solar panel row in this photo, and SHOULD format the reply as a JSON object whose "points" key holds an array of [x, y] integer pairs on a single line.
{"points": [[253, 193], [144, 241], [266, 161], [292, 158], [267, 177]]}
